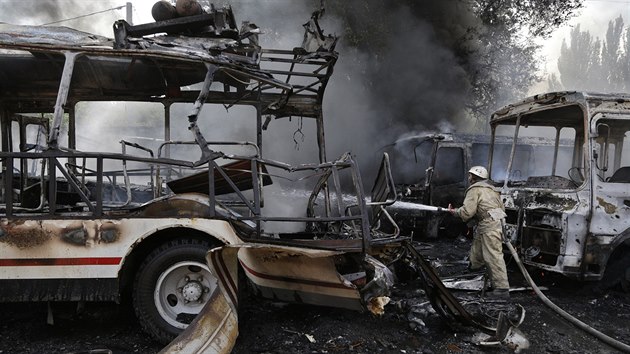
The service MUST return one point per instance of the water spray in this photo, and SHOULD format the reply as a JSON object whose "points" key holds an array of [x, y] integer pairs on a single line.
{"points": [[420, 207]]}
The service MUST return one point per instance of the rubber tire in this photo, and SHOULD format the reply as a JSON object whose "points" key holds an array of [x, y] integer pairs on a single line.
{"points": [[156, 262], [617, 273]]}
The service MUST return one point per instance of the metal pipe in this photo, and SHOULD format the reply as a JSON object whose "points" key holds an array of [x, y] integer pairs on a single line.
{"points": [[512, 152], [555, 152], [62, 97], [206, 154]]}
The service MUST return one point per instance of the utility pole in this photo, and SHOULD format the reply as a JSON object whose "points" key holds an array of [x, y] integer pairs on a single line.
{"points": [[129, 8]]}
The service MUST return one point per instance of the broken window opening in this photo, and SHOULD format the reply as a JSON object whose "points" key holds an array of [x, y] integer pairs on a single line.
{"points": [[613, 145], [547, 151]]}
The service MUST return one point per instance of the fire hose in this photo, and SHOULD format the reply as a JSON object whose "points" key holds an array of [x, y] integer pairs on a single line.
{"points": [[579, 324], [576, 322]]}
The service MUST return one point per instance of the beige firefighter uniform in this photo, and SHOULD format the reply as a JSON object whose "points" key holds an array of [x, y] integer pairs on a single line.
{"points": [[484, 204]]}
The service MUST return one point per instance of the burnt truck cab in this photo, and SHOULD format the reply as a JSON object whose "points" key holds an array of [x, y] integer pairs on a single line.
{"points": [[433, 170], [570, 213]]}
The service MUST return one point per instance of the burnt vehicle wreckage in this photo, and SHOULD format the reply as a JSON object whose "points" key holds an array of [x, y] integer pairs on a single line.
{"points": [[173, 233], [570, 215], [561, 163], [71, 231], [432, 169]]}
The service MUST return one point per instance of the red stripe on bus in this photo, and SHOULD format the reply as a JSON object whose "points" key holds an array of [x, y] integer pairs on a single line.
{"points": [[294, 280], [222, 273], [21, 262]]}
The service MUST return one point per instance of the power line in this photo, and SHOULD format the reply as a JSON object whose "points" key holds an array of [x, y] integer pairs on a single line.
{"points": [[86, 15]]}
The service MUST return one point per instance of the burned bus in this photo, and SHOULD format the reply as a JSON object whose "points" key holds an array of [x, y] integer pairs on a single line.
{"points": [[79, 224], [571, 215]]}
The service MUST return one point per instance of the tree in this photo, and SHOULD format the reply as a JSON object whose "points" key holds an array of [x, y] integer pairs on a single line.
{"points": [[553, 83], [610, 54], [624, 60], [579, 63], [591, 64]]}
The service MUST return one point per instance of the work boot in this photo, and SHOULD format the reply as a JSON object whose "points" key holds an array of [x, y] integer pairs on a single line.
{"points": [[470, 269], [498, 294]]}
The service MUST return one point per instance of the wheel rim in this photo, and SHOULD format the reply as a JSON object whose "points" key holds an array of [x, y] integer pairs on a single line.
{"points": [[182, 291]]}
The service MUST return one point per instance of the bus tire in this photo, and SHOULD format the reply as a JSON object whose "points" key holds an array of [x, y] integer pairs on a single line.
{"points": [[172, 285]]}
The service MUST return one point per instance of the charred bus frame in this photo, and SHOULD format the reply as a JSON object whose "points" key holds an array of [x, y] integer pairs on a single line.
{"points": [[64, 238]]}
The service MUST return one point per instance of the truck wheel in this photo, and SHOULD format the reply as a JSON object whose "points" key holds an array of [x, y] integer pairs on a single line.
{"points": [[624, 279], [625, 282], [171, 287], [617, 273]]}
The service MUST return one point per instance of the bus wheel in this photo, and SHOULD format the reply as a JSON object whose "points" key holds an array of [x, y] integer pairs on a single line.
{"points": [[171, 287]]}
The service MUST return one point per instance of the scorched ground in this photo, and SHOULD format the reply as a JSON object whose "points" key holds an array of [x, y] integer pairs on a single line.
{"points": [[407, 326]]}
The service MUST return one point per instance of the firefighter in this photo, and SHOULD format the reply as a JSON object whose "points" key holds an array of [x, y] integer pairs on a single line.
{"points": [[483, 204]]}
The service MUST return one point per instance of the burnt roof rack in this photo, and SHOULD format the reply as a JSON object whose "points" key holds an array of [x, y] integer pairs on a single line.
{"points": [[217, 23]]}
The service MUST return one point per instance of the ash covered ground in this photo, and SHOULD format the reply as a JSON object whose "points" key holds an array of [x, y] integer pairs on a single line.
{"points": [[408, 326]]}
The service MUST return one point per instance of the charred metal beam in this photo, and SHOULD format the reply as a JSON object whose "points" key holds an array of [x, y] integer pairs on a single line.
{"points": [[302, 219], [73, 183], [256, 189], [337, 185], [8, 185], [206, 153], [254, 209], [211, 189], [321, 141], [62, 96], [98, 209], [52, 186], [444, 303], [512, 152], [95, 155], [365, 223]]}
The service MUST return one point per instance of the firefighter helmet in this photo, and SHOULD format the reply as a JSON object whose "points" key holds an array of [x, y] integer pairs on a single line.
{"points": [[479, 171]]}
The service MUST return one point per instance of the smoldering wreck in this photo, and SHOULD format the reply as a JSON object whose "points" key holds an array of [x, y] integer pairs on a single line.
{"points": [[87, 225], [171, 228]]}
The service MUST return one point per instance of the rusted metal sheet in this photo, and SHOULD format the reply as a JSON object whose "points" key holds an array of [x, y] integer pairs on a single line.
{"points": [[299, 275]]}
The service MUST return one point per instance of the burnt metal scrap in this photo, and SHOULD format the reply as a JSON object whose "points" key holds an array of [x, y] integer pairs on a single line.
{"points": [[443, 301], [496, 321]]}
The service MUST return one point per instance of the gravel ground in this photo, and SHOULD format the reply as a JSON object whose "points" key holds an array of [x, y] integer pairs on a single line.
{"points": [[408, 326]]}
